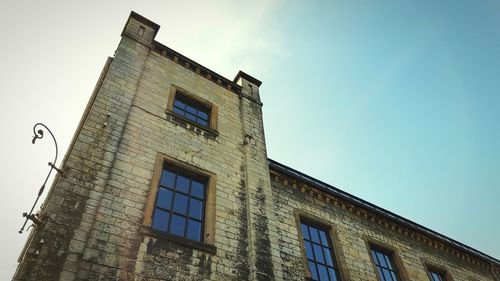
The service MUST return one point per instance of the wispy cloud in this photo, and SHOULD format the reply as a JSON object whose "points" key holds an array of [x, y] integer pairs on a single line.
{"points": [[225, 34]]}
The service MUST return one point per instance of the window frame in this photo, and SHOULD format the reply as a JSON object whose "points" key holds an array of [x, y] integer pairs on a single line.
{"points": [[388, 250], [332, 236], [207, 241], [433, 267], [195, 101]]}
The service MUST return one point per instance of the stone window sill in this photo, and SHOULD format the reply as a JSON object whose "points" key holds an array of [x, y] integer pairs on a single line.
{"points": [[192, 126], [208, 248]]}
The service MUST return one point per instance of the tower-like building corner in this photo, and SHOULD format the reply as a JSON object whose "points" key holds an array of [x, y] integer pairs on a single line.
{"points": [[167, 178]]}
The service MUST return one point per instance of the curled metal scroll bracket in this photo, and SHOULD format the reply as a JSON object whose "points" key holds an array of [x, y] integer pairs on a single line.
{"points": [[38, 132]]}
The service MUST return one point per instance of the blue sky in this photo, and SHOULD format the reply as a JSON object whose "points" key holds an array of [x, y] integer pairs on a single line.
{"points": [[396, 102]]}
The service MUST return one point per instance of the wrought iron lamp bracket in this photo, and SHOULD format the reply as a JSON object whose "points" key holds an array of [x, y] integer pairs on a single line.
{"points": [[38, 134]]}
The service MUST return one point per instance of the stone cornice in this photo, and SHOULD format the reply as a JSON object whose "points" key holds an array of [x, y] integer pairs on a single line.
{"points": [[143, 20], [196, 67], [371, 213], [247, 77]]}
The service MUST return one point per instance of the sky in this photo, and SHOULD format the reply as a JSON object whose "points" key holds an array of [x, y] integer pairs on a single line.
{"points": [[396, 102]]}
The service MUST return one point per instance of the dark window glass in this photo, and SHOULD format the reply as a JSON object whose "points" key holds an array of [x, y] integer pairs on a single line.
{"points": [[196, 208], [194, 230], [190, 117], [333, 274], [322, 235], [314, 272], [203, 122], [309, 251], [314, 234], [179, 104], [179, 111], [160, 220], [177, 225], [328, 256], [197, 189], [180, 204], [386, 267], [164, 198], [202, 115], [167, 179], [191, 110], [435, 276], [323, 274], [305, 231], [319, 253], [182, 184]]}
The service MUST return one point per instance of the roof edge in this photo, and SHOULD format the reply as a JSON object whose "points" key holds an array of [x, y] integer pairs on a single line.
{"points": [[274, 165], [196, 67]]}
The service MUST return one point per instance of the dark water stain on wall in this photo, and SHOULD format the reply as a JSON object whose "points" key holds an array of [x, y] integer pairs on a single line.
{"points": [[242, 267], [263, 260]]}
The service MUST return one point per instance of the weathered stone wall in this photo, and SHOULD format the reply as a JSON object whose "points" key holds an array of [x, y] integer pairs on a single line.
{"points": [[70, 214], [93, 219], [352, 235]]}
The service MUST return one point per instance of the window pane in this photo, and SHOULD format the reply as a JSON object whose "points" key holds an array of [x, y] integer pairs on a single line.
{"points": [[323, 274], [309, 252], [312, 269], [202, 115], [436, 277], [333, 274], [180, 203], [374, 256], [381, 259], [324, 240], [314, 234], [328, 256], [194, 230], [197, 189], [167, 179], [190, 116], [202, 122], [179, 104], [160, 220], [179, 111], [395, 276], [305, 232], [164, 199], [177, 225], [380, 274], [196, 208], [387, 274], [182, 184], [389, 262], [318, 252], [190, 109]]}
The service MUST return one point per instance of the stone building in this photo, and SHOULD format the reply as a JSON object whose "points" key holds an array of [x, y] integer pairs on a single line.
{"points": [[167, 178]]}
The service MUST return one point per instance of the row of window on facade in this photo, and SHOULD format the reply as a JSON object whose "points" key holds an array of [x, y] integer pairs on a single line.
{"points": [[180, 210]]}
